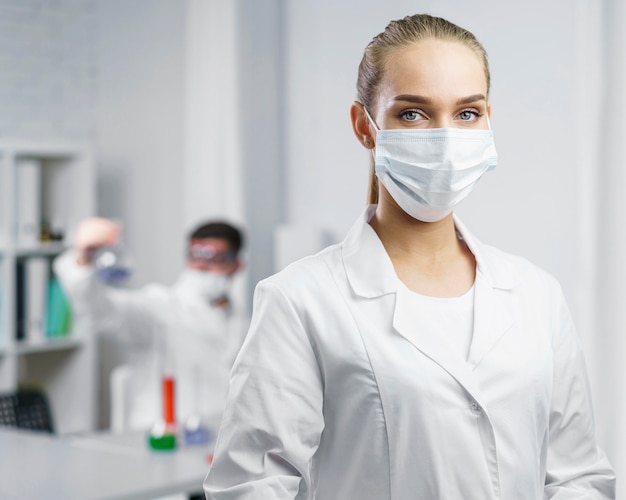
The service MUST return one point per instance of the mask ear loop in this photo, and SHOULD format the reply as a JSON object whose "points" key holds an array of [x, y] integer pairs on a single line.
{"points": [[370, 119]]}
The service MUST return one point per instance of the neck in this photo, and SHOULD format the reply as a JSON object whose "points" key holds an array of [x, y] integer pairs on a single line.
{"points": [[427, 256], [401, 234]]}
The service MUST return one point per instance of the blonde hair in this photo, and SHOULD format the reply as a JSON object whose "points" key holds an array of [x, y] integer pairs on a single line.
{"points": [[400, 33]]}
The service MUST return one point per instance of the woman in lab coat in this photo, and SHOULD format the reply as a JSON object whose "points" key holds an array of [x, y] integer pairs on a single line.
{"points": [[412, 361]]}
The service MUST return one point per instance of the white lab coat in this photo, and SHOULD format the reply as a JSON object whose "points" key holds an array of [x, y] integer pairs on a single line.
{"points": [[334, 396], [169, 330]]}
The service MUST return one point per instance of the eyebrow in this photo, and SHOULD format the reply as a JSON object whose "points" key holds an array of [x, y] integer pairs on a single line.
{"points": [[418, 99]]}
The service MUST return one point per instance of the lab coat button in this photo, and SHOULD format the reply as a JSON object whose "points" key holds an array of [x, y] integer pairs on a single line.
{"points": [[474, 407]]}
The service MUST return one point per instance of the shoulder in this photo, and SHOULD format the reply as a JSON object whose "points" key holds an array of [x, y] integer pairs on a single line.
{"points": [[535, 287], [308, 275], [504, 269], [521, 267]]}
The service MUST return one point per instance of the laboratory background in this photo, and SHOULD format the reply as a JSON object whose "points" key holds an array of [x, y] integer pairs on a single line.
{"points": [[239, 109]]}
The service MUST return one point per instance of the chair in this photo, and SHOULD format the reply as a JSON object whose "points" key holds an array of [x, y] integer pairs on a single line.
{"points": [[26, 409]]}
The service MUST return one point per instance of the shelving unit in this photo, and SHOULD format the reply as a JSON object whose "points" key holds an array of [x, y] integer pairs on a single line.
{"points": [[65, 367]]}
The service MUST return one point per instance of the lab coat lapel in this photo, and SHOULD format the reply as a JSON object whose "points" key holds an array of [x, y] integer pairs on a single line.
{"points": [[371, 274], [494, 312], [493, 317]]}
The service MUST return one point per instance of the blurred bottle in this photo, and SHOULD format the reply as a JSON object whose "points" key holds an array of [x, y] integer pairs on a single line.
{"points": [[113, 264], [195, 430]]}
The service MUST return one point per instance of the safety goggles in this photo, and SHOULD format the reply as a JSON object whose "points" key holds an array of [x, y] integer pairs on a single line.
{"points": [[209, 256]]}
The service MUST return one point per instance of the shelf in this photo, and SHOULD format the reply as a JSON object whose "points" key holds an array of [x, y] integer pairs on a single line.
{"points": [[50, 150], [48, 345], [51, 182], [45, 249]]}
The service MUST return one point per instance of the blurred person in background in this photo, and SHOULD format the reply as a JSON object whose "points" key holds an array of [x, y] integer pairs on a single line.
{"points": [[191, 329]]}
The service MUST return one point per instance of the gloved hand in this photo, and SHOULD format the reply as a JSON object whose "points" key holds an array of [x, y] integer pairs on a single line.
{"points": [[92, 234]]}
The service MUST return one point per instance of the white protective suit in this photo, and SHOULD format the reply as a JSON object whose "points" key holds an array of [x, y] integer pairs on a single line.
{"points": [[169, 330], [335, 396]]}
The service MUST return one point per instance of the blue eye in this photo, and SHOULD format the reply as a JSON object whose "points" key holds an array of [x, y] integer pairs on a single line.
{"points": [[468, 115], [410, 115]]}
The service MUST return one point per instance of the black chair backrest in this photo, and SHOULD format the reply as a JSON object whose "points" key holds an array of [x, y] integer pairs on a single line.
{"points": [[26, 409]]}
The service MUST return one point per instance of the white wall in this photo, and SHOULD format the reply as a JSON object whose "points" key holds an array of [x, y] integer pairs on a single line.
{"points": [[140, 144], [609, 343], [140, 123], [167, 125], [48, 70], [261, 116]]}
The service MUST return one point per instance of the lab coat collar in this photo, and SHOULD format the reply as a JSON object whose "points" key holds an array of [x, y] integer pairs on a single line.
{"points": [[489, 262], [368, 267], [371, 274]]}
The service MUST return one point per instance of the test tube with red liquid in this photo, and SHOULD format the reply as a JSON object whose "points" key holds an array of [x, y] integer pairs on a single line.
{"points": [[163, 435]]}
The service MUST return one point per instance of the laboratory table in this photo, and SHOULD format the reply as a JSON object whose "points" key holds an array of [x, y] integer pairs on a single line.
{"points": [[99, 465]]}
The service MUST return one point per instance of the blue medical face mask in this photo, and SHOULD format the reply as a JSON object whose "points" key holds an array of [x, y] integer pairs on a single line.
{"points": [[429, 171]]}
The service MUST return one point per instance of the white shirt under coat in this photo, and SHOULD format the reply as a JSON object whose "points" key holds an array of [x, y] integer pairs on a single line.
{"points": [[335, 394]]}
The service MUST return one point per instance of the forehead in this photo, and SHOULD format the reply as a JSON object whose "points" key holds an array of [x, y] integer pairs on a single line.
{"points": [[433, 68]]}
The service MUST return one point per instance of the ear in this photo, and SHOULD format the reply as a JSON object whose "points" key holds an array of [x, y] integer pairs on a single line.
{"points": [[361, 126]]}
